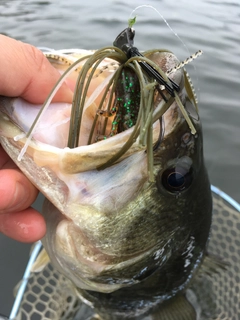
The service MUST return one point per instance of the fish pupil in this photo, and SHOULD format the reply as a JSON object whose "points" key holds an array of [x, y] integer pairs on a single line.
{"points": [[176, 179]]}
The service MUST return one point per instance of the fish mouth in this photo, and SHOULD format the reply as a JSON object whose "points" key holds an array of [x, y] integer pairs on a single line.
{"points": [[47, 146], [94, 191]]}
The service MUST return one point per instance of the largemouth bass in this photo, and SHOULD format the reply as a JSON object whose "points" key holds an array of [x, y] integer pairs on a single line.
{"points": [[128, 207]]}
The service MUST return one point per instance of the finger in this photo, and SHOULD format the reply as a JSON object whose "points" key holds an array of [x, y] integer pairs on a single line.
{"points": [[10, 189], [17, 192], [4, 158], [27, 73], [5, 161], [25, 226]]}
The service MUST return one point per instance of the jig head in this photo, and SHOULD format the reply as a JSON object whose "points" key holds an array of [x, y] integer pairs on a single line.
{"points": [[124, 41]]}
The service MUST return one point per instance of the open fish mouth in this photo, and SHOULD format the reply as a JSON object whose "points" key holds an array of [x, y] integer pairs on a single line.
{"points": [[121, 168]]}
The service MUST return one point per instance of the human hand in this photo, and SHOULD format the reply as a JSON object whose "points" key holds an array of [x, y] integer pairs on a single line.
{"points": [[26, 73]]}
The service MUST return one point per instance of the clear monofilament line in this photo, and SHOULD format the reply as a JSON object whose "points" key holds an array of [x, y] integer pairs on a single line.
{"points": [[165, 21], [170, 28]]}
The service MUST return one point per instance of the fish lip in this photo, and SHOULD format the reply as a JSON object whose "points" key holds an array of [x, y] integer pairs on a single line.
{"points": [[70, 161], [105, 284], [92, 156], [96, 275]]}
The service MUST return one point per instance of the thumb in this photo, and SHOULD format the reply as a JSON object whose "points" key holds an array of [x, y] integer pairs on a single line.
{"points": [[27, 73]]}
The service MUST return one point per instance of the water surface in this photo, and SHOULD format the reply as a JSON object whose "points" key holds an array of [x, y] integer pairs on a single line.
{"points": [[212, 26]]}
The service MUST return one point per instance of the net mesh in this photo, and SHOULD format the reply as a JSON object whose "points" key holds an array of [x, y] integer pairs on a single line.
{"points": [[51, 296], [219, 295]]}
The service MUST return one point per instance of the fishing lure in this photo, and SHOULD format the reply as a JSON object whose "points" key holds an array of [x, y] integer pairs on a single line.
{"points": [[127, 90], [130, 102], [124, 41], [127, 101]]}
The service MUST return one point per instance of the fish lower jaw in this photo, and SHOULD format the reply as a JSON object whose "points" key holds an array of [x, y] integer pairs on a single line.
{"points": [[89, 267]]}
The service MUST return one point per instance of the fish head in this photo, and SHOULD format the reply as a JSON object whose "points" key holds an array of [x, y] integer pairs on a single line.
{"points": [[113, 227]]}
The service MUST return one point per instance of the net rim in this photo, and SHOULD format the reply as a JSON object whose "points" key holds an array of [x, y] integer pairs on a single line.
{"points": [[226, 197], [24, 282]]}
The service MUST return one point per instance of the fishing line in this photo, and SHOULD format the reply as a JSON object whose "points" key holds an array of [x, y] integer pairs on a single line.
{"points": [[165, 21], [172, 30]]}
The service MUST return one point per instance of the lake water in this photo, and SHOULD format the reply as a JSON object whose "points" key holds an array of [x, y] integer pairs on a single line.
{"points": [[212, 26]]}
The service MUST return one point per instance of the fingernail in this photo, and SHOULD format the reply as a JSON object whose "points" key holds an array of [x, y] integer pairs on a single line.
{"points": [[64, 94]]}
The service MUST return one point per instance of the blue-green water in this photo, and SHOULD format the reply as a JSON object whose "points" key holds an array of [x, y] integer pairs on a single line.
{"points": [[212, 26]]}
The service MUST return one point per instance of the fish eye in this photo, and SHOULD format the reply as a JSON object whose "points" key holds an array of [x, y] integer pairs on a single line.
{"points": [[176, 179]]}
